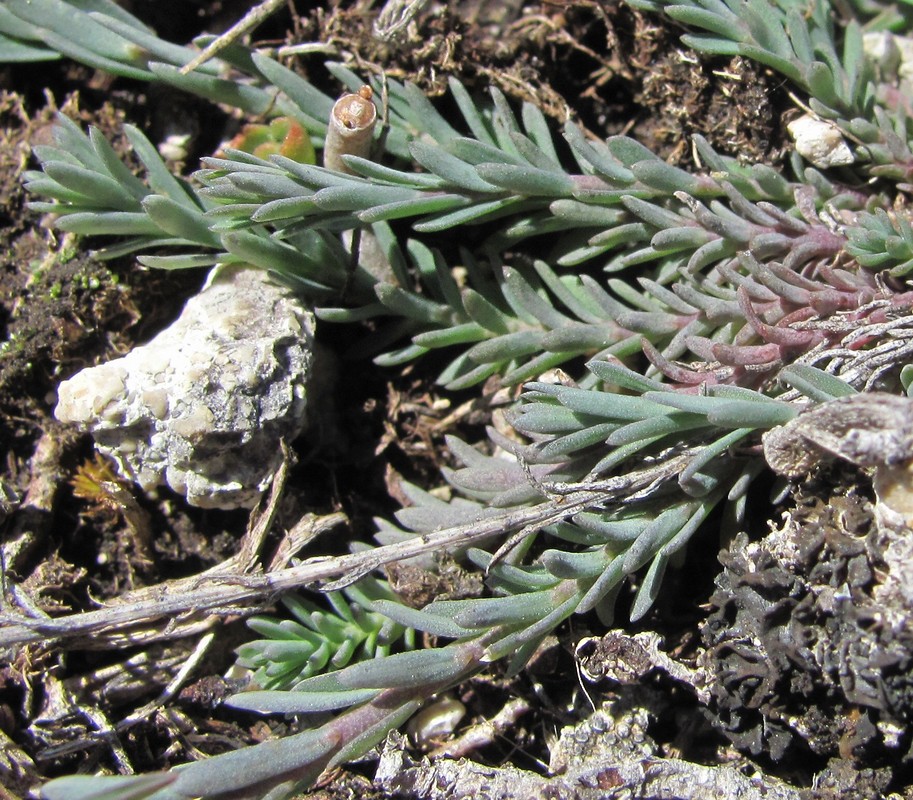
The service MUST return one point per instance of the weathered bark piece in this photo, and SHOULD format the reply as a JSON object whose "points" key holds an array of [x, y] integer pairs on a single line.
{"points": [[869, 430]]}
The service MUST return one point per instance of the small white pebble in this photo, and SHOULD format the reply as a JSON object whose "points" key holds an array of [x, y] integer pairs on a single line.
{"points": [[174, 147], [820, 142], [435, 721], [882, 49]]}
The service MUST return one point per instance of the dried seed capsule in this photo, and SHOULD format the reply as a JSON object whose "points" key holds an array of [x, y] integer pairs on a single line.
{"points": [[351, 129]]}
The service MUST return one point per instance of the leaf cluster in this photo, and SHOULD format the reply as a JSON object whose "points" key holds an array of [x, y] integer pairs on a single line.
{"points": [[320, 640]]}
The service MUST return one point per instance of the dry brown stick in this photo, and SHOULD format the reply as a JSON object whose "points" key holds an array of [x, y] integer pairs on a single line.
{"points": [[220, 593], [246, 560], [250, 21]]}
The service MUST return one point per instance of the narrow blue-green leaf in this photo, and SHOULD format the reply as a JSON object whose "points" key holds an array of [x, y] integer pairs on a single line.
{"points": [[421, 620], [611, 577], [506, 347], [283, 208], [578, 440], [668, 179], [447, 337], [596, 155], [371, 169], [409, 304], [728, 26], [709, 253], [547, 418], [649, 589], [537, 128], [158, 176], [370, 737], [620, 375], [429, 119], [18, 28], [99, 189], [707, 455], [402, 355], [314, 105], [530, 152], [76, 34], [249, 766], [14, 51], [572, 293], [134, 244], [480, 212], [822, 84], [504, 122], [797, 26], [109, 223], [107, 787], [414, 207], [470, 111], [771, 181], [477, 152], [621, 454], [527, 180], [523, 298], [233, 93], [723, 407], [115, 167], [178, 220], [613, 531], [713, 45], [747, 413], [186, 261], [345, 76], [510, 644], [629, 151], [576, 566], [270, 254], [652, 214], [581, 337], [411, 669], [655, 427], [703, 510], [682, 237], [485, 612], [536, 366], [296, 702], [151, 46], [766, 28], [354, 196], [456, 378], [441, 163], [655, 535], [814, 383], [484, 312], [584, 214], [608, 405]]}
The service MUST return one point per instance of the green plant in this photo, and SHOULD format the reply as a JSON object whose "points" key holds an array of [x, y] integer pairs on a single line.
{"points": [[744, 279], [318, 641]]}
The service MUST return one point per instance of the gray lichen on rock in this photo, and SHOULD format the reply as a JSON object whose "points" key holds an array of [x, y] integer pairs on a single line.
{"points": [[204, 406]]}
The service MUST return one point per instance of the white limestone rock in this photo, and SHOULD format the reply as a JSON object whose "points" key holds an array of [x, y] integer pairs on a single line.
{"points": [[820, 142], [883, 50], [204, 405]]}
